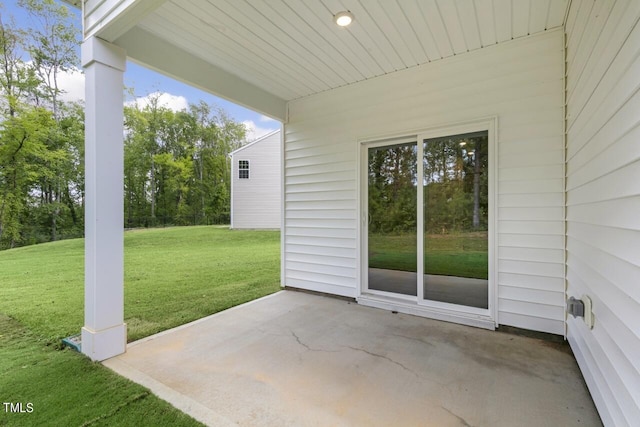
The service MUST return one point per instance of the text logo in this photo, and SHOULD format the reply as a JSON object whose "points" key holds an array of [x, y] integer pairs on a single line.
{"points": [[18, 408]]}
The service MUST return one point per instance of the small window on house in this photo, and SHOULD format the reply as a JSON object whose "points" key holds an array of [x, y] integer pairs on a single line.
{"points": [[243, 169]]}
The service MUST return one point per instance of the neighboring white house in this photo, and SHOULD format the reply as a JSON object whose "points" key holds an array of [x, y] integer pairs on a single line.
{"points": [[553, 86], [256, 190]]}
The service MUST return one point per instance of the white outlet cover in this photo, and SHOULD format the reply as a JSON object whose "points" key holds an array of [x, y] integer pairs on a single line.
{"points": [[588, 311]]}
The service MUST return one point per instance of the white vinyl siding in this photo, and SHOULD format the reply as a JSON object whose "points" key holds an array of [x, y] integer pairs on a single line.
{"points": [[256, 201], [519, 82], [603, 200]]}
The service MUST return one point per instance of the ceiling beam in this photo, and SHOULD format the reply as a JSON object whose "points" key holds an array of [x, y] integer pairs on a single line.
{"points": [[110, 19], [155, 53]]}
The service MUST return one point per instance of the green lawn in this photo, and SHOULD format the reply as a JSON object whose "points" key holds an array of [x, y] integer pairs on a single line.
{"points": [[172, 276], [455, 254]]}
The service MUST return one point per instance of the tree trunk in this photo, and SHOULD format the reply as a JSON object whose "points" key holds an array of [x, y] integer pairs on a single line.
{"points": [[72, 209], [202, 204], [476, 186], [153, 188], [57, 199]]}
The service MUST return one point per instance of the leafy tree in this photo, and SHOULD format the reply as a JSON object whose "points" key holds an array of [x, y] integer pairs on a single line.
{"points": [[22, 152], [176, 163], [177, 166], [17, 80], [392, 189], [52, 44]]}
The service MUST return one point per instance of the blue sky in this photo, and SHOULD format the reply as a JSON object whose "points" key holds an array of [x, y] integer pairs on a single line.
{"points": [[174, 94]]}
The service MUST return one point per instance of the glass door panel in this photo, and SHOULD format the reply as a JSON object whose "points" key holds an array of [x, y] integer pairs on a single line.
{"points": [[392, 218], [455, 209]]}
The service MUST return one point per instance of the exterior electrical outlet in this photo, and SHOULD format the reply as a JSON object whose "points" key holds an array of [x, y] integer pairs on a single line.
{"points": [[581, 308], [588, 311], [575, 307]]}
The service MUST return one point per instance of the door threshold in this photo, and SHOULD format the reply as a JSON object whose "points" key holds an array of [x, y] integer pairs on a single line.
{"points": [[412, 307]]}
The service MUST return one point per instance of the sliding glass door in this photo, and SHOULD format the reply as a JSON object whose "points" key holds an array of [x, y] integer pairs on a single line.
{"points": [[428, 219], [455, 212], [392, 218]]}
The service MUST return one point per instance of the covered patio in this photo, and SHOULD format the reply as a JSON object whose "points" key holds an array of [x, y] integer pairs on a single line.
{"points": [[549, 91], [294, 358]]}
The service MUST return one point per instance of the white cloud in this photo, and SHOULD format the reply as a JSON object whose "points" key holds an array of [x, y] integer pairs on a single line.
{"points": [[264, 119], [167, 100], [72, 84], [254, 132]]}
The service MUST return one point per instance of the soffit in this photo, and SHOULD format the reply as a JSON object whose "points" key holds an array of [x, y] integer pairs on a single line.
{"points": [[292, 48]]}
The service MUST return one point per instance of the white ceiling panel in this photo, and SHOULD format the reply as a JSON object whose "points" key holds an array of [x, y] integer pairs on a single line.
{"points": [[433, 19], [453, 25], [538, 16], [503, 18], [520, 17], [292, 48], [486, 22], [469, 22]]}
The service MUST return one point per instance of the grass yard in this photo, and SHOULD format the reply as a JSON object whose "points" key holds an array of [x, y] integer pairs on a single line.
{"points": [[172, 276], [455, 254]]}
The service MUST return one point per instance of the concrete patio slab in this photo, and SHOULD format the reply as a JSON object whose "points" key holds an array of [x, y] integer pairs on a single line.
{"points": [[295, 359]]}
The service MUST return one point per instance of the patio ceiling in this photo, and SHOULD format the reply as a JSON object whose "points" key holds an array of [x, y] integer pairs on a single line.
{"points": [[264, 53]]}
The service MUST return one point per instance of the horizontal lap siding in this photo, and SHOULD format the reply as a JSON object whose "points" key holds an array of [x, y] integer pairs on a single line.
{"points": [[257, 200], [521, 83], [603, 200], [320, 216]]}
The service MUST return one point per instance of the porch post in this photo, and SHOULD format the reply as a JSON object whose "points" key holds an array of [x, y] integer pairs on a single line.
{"points": [[104, 333]]}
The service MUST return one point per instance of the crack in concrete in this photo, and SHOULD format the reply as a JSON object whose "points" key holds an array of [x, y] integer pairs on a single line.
{"points": [[430, 344], [385, 358], [311, 348], [462, 420]]}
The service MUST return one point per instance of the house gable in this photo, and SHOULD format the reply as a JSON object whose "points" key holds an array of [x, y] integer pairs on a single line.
{"points": [[256, 184]]}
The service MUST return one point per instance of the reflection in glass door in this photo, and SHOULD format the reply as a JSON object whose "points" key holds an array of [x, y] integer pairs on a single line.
{"points": [[430, 241], [455, 186], [392, 218]]}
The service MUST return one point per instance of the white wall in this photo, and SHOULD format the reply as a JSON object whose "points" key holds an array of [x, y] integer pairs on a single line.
{"points": [[603, 200], [256, 202], [520, 82]]}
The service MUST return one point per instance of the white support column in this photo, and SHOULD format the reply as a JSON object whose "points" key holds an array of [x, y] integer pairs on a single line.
{"points": [[104, 334]]}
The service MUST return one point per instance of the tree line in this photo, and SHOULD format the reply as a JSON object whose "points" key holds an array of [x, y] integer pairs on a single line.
{"points": [[455, 186], [177, 169], [176, 164]]}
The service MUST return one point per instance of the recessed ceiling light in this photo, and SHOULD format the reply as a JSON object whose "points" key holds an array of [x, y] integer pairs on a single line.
{"points": [[343, 18]]}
